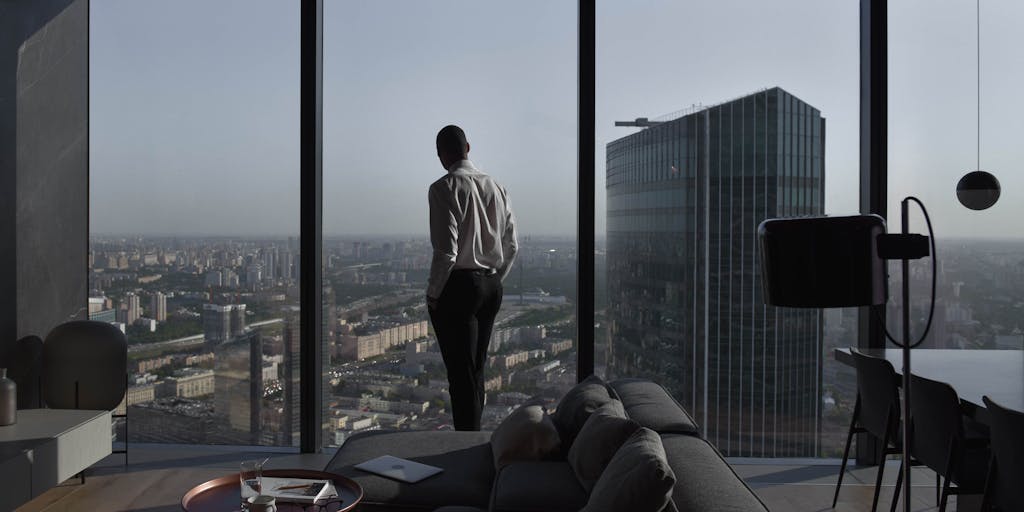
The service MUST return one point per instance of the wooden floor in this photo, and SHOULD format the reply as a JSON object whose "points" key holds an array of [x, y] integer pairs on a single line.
{"points": [[159, 474]]}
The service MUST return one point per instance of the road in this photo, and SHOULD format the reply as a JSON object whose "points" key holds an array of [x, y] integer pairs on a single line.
{"points": [[187, 341]]}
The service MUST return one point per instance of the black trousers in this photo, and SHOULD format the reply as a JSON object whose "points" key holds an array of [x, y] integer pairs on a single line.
{"points": [[463, 320]]}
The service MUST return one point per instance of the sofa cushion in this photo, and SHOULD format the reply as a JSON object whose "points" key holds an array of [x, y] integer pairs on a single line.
{"points": [[651, 406], [539, 486], [638, 478], [601, 436], [464, 456], [526, 434], [704, 481], [576, 406]]}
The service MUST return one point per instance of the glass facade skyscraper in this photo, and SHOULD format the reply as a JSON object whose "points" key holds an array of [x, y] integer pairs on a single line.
{"points": [[685, 197]]}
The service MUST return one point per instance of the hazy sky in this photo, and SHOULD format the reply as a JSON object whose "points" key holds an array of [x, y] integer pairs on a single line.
{"points": [[194, 120]]}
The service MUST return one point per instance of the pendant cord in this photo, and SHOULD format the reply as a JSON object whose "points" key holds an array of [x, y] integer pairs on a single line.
{"points": [[977, 17]]}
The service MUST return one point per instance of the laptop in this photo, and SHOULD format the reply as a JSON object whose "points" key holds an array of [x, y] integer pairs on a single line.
{"points": [[399, 469]]}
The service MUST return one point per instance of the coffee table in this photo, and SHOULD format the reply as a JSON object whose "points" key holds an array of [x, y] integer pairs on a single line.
{"points": [[224, 493]]}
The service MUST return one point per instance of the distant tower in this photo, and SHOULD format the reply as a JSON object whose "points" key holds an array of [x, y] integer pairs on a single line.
{"points": [[216, 323], [219, 322], [238, 326], [329, 321], [290, 428], [158, 307], [132, 310]]}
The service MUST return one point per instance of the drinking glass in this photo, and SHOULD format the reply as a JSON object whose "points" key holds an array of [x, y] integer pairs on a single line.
{"points": [[251, 477]]}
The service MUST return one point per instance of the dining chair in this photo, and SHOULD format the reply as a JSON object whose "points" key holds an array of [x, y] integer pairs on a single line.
{"points": [[943, 439], [1006, 470], [876, 412]]}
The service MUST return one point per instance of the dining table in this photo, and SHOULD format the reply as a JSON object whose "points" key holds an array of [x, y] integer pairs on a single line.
{"points": [[973, 373]]}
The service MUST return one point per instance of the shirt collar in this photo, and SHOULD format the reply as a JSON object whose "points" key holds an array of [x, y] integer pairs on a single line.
{"points": [[462, 164]]}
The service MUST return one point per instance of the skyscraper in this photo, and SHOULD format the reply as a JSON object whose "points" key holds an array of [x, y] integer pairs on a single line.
{"points": [[132, 310], [238, 387], [290, 426], [158, 307], [223, 322], [685, 197]]}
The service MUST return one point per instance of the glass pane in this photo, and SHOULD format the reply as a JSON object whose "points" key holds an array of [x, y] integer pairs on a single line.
{"points": [[730, 103], [395, 73], [979, 299], [194, 210]]}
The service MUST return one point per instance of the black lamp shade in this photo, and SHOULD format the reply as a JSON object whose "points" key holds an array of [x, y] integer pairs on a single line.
{"points": [[823, 262]]}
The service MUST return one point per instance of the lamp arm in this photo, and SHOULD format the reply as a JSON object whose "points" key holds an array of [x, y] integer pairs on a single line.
{"points": [[934, 257]]}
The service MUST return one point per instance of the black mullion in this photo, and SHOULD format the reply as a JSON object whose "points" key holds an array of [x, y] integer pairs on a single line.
{"points": [[585, 191], [311, 232]]}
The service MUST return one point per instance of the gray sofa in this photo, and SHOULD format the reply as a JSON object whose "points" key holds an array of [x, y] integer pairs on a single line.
{"points": [[704, 481]]}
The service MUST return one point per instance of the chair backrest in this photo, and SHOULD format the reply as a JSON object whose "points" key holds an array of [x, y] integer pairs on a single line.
{"points": [[936, 421], [1007, 426], [26, 371], [878, 391], [92, 354]]}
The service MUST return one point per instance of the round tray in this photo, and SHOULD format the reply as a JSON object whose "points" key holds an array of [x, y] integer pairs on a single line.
{"points": [[223, 494]]}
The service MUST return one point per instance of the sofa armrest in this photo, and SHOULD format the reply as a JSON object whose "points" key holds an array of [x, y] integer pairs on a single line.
{"points": [[704, 481], [542, 486]]}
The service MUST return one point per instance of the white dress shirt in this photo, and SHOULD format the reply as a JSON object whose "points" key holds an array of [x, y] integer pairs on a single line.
{"points": [[471, 225]]}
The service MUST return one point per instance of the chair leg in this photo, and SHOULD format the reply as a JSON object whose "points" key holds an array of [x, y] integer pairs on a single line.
{"points": [[950, 464], [938, 486], [986, 498], [899, 487], [945, 496], [846, 456], [882, 468]]}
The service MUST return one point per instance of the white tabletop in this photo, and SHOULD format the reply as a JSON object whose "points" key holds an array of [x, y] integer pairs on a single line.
{"points": [[998, 374], [46, 423]]}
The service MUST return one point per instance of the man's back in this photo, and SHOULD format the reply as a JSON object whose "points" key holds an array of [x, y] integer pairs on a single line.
{"points": [[471, 224]]}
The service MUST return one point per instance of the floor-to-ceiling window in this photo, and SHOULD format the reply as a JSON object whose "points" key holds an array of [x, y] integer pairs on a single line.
{"points": [[711, 117], [194, 208], [395, 72], [933, 142]]}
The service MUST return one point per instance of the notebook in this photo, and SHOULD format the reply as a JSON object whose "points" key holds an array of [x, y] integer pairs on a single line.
{"points": [[298, 490], [399, 469]]}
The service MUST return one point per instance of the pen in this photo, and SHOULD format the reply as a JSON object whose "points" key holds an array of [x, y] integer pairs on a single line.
{"points": [[290, 487]]}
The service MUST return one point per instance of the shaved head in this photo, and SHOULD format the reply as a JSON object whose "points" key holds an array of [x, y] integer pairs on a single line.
{"points": [[451, 145]]}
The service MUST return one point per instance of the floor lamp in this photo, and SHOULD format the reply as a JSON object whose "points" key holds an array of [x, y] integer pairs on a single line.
{"points": [[830, 262]]}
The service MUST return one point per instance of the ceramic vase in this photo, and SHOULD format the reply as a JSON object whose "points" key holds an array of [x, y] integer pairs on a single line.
{"points": [[8, 399]]}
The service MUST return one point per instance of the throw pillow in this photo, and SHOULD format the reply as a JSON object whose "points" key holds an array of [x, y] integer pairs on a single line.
{"points": [[576, 406], [526, 434], [598, 441], [637, 479]]}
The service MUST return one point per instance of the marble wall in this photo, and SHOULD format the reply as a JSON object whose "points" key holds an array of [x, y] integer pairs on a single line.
{"points": [[44, 164]]}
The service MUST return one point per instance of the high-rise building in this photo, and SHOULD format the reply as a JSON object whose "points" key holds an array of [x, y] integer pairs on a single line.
{"points": [[216, 323], [158, 307], [238, 387], [213, 278], [685, 197], [328, 321], [131, 307], [290, 428], [223, 322]]}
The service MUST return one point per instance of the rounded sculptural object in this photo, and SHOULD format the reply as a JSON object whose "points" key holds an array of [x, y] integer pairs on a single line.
{"points": [[84, 366]]}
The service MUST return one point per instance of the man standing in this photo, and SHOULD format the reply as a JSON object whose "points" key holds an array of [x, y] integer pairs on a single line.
{"points": [[474, 238]]}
